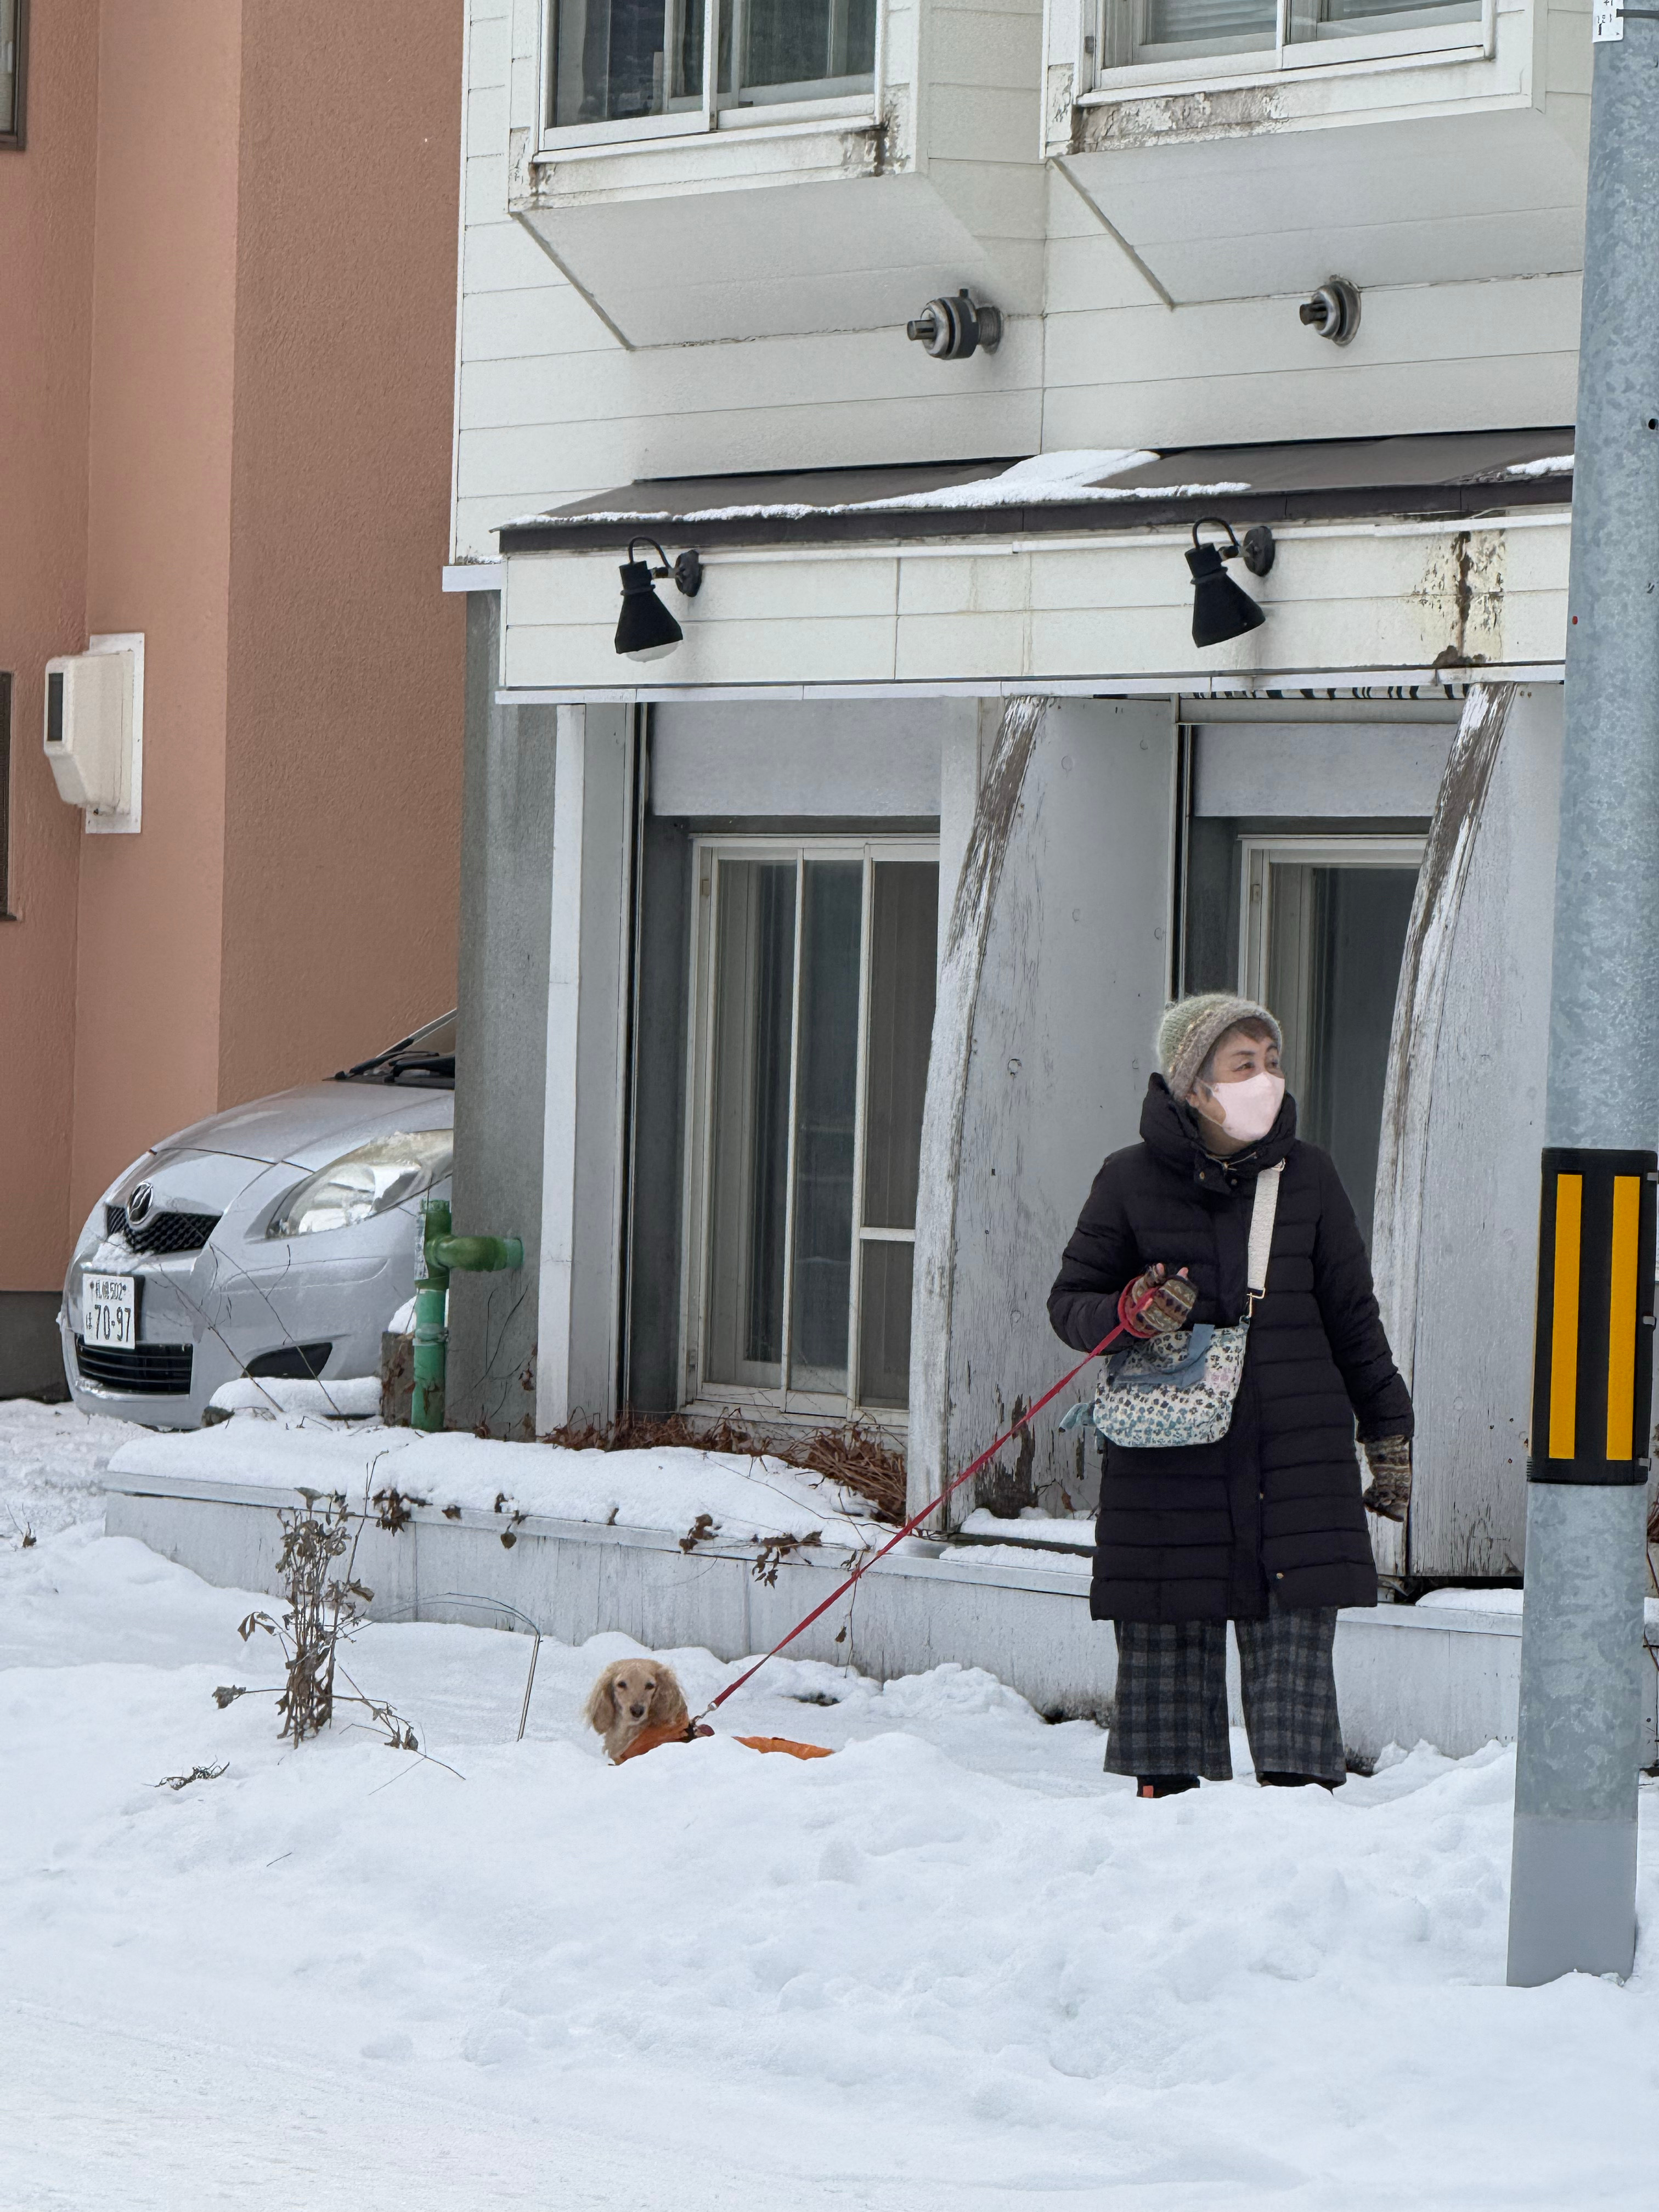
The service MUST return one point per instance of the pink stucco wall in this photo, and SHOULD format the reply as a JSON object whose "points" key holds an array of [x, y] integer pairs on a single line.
{"points": [[226, 374], [46, 221], [344, 765], [148, 986]]}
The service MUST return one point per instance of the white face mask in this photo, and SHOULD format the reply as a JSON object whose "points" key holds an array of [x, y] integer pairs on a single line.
{"points": [[1249, 1108]]}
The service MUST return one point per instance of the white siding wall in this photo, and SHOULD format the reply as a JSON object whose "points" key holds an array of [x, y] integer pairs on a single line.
{"points": [[1345, 598], [552, 407], [804, 759], [537, 416]]}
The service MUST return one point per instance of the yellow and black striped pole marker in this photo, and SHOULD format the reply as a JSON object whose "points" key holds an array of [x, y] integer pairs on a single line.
{"points": [[1592, 1387]]}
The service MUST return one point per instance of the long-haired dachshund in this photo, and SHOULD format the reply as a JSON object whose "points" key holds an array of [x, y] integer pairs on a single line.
{"points": [[632, 1695]]}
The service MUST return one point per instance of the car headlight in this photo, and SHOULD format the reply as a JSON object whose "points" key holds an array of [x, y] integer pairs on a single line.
{"points": [[375, 1177]]}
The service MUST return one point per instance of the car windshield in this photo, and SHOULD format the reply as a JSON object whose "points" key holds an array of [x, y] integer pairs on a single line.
{"points": [[426, 1060]]}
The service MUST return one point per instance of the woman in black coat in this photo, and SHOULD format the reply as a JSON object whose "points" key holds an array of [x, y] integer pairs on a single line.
{"points": [[1267, 1527]]}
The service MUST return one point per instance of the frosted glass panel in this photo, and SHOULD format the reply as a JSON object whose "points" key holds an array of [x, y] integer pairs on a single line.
{"points": [[825, 1121], [9, 60], [903, 959], [885, 1324], [1336, 937], [754, 988]]}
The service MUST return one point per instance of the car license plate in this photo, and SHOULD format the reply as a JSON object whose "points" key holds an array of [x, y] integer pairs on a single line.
{"points": [[109, 1310]]}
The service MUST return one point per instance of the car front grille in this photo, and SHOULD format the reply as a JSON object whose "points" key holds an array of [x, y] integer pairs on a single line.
{"points": [[161, 1232], [147, 1370]]}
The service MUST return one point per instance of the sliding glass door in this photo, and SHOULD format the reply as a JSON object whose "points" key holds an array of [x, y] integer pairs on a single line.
{"points": [[814, 980], [1321, 935]]}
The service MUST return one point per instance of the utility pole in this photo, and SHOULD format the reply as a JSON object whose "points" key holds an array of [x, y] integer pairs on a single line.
{"points": [[1572, 1903]]}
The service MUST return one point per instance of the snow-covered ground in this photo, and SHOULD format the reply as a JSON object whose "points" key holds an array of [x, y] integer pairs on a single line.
{"points": [[954, 1966], [51, 1467], [1031, 1526], [666, 1488]]}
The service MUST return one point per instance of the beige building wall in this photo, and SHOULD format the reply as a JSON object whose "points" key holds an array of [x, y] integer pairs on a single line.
{"points": [[226, 381]]}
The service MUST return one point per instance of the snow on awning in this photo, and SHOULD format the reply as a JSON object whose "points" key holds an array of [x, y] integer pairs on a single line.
{"points": [[1451, 474]]}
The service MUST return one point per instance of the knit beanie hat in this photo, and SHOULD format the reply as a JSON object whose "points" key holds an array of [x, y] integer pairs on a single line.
{"points": [[1192, 1028]]}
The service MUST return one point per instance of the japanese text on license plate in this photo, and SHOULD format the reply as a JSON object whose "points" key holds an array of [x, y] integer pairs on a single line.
{"points": [[109, 1311]]}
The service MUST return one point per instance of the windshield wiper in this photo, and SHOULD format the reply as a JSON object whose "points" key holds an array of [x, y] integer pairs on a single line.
{"points": [[399, 1060], [368, 1066], [398, 1064], [431, 1063]]}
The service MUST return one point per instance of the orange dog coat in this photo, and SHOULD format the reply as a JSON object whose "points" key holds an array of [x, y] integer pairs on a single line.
{"points": [[648, 1739]]}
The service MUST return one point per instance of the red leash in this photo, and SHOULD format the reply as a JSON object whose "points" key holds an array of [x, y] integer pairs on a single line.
{"points": [[932, 1504]]}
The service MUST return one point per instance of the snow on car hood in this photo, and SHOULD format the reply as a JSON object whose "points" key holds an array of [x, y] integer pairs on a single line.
{"points": [[314, 1123]]}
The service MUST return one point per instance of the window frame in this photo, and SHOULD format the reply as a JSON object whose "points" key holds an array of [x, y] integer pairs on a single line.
{"points": [[1100, 82], [8, 694], [1258, 852], [716, 112], [694, 1392], [12, 138]]}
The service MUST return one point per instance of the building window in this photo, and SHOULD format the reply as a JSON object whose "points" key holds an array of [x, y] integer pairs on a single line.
{"points": [[616, 68], [1314, 927], [790, 50], [12, 13], [1275, 34], [815, 1012], [5, 796]]}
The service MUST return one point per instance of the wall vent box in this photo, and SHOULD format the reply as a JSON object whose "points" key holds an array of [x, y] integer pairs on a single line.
{"points": [[94, 730]]}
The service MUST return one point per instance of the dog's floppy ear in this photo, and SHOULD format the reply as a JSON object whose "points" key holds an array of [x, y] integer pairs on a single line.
{"points": [[668, 1707], [601, 1703]]}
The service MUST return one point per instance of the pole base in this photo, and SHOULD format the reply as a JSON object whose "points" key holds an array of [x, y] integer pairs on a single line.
{"points": [[1571, 1899]]}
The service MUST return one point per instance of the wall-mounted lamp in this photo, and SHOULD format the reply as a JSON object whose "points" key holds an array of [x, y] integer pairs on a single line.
{"points": [[644, 628], [1220, 609], [1333, 311], [953, 328]]}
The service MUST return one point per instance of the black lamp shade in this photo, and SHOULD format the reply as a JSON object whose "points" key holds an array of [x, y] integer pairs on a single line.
{"points": [[1220, 609], [644, 628]]}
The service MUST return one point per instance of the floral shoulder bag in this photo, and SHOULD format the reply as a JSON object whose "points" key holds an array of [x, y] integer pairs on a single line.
{"points": [[1179, 1389]]}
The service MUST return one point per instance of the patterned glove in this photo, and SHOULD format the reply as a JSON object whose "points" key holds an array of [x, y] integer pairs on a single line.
{"points": [[1389, 1459], [1174, 1300]]}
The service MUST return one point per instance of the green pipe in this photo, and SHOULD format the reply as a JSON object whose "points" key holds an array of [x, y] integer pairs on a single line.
{"points": [[483, 1255], [441, 1253]]}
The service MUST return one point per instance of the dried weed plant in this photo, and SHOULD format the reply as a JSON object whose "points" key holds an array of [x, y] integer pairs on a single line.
{"points": [[323, 1610], [772, 1555], [397, 1510], [701, 1531]]}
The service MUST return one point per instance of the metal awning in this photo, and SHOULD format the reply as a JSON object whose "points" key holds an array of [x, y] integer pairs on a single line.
{"points": [[1450, 475]]}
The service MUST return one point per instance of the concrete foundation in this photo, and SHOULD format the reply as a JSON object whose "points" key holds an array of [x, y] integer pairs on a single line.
{"points": [[1404, 1674], [31, 1355]]}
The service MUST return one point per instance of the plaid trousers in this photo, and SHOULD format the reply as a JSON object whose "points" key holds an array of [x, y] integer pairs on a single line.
{"points": [[1171, 1713]]}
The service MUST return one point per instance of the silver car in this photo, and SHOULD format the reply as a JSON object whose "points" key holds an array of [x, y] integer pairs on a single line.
{"points": [[274, 1240]]}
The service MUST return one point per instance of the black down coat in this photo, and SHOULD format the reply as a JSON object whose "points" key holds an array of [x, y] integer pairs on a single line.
{"points": [[1205, 1532]]}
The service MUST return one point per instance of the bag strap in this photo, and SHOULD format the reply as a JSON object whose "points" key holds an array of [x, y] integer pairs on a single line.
{"points": [[1262, 1232]]}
